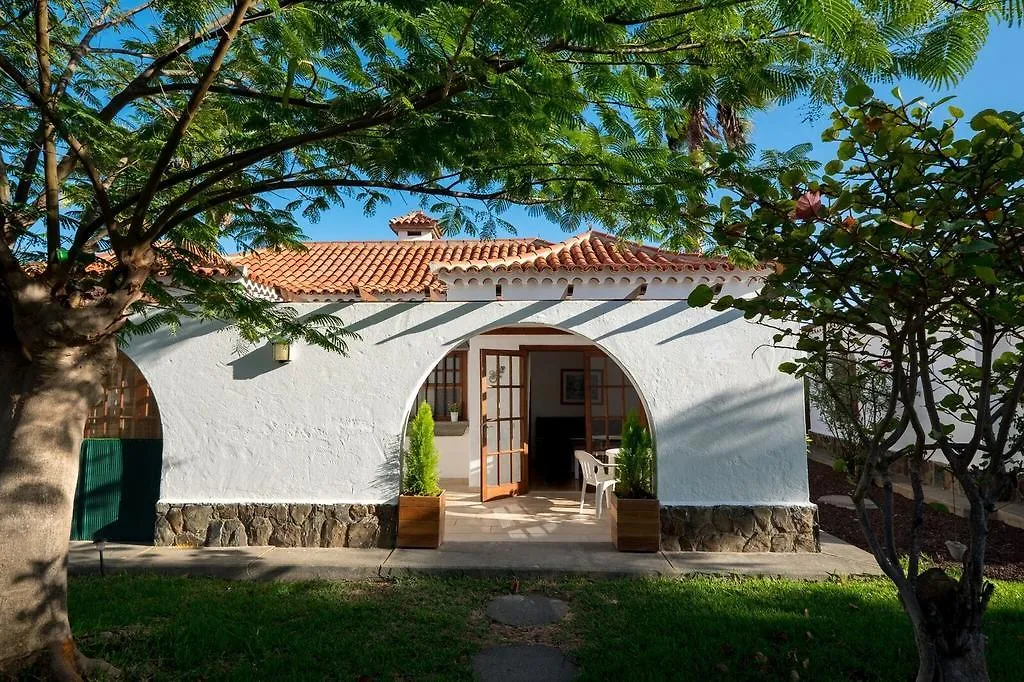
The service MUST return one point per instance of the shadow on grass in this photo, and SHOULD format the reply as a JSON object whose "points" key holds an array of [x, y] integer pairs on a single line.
{"points": [[165, 628]]}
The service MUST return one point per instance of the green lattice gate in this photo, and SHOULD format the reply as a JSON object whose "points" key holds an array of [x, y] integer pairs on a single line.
{"points": [[118, 487]]}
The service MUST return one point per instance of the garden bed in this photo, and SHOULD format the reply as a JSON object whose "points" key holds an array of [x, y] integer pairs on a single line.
{"points": [[1005, 555]]}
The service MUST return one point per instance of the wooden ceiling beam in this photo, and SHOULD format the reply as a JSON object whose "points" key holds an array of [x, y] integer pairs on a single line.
{"points": [[638, 292]]}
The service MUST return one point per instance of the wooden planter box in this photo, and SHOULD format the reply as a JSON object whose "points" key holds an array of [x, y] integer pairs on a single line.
{"points": [[636, 524], [421, 521]]}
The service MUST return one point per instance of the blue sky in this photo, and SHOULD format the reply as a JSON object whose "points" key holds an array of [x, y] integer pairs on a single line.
{"points": [[996, 81]]}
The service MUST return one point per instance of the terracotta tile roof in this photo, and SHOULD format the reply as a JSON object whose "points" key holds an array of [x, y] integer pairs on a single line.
{"points": [[589, 251], [374, 267], [416, 220], [201, 262]]}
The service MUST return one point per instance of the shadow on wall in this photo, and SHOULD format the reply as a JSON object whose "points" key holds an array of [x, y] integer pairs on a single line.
{"points": [[153, 344], [437, 320], [705, 326], [258, 361], [389, 473], [736, 427], [156, 343], [384, 315], [652, 318], [590, 314]]}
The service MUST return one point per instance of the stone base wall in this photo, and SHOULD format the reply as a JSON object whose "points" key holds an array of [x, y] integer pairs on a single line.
{"points": [[740, 529], [281, 525]]}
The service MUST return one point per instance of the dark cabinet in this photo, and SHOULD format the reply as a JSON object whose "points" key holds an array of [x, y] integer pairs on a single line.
{"points": [[551, 452]]}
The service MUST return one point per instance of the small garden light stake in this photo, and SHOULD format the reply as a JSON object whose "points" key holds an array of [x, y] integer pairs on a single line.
{"points": [[100, 546]]}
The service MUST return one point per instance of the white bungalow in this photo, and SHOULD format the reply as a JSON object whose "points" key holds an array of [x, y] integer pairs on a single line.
{"points": [[539, 348]]}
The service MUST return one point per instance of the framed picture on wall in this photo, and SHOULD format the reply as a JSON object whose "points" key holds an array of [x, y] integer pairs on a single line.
{"points": [[573, 387]]}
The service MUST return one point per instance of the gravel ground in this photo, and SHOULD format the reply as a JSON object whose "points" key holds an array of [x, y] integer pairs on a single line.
{"points": [[1004, 557]]}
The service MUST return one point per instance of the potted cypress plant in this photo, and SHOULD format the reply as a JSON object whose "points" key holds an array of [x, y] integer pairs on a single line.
{"points": [[635, 511], [421, 502]]}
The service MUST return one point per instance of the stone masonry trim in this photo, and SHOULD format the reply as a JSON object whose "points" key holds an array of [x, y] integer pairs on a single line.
{"points": [[728, 528], [280, 525]]}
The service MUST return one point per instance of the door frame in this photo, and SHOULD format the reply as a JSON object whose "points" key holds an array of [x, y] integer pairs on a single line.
{"points": [[522, 486]]}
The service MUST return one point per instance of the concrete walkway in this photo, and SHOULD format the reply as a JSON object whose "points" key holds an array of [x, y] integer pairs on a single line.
{"points": [[485, 559]]}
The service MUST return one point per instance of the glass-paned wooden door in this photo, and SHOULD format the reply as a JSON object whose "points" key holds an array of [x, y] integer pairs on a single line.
{"points": [[610, 397], [503, 440]]}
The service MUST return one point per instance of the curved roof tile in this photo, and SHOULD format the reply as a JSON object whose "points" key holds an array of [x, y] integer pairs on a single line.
{"points": [[404, 267], [590, 251], [376, 267]]}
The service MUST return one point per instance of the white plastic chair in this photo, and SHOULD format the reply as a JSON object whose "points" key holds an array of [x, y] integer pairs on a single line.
{"points": [[595, 473]]}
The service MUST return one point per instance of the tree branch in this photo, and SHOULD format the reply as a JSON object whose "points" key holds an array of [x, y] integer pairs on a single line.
{"points": [[51, 189], [79, 152], [235, 91], [178, 132], [85, 44], [280, 185], [673, 14], [642, 49], [227, 166]]}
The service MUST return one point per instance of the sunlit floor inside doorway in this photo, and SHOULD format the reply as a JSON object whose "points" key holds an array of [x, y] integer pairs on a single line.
{"points": [[540, 516]]}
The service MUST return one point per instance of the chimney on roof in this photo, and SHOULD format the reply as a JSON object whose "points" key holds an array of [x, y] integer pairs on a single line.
{"points": [[415, 226]]}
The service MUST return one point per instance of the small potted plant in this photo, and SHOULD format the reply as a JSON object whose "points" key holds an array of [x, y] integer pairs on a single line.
{"points": [[421, 502], [635, 511], [453, 411]]}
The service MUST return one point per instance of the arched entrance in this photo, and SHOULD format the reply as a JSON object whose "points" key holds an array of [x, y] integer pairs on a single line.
{"points": [[119, 469], [529, 396]]}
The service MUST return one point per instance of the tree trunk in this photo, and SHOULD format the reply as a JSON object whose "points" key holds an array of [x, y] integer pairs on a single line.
{"points": [[44, 403], [949, 647], [966, 664]]}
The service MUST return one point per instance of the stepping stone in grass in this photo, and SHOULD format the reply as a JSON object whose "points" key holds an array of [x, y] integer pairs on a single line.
{"points": [[523, 663], [844, 502], [526, 610]]}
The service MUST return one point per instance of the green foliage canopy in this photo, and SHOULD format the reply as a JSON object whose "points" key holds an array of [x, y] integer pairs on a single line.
{"points": [[900, 281], [159, 131], [912, 238]]}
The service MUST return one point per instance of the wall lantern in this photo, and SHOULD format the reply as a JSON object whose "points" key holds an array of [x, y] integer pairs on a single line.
{"points": [[282, 349]]}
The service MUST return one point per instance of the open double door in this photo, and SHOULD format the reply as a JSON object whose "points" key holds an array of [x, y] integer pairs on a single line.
{"points": [[504, 410]]}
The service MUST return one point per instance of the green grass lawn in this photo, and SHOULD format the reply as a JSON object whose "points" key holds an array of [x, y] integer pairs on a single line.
{"points": [[703, 629]]}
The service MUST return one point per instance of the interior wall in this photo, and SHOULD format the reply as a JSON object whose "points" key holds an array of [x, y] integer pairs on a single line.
{"points": [[546, 383], [546, 401], [453, 454]]}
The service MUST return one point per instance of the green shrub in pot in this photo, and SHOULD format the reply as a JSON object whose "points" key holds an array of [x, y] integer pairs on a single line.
{"points": [[635, 461], [421, 460]]}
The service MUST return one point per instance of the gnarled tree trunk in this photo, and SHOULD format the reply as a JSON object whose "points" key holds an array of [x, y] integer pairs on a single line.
{"points": [[952, 649], [967, 664], [44, 403]]}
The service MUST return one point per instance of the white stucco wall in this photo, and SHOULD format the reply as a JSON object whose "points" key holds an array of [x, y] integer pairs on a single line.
{"points": [[324, 428], [453, 455]]}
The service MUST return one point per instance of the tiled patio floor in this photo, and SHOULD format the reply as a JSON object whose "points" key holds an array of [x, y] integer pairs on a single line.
{"points": [[540, 516]]}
